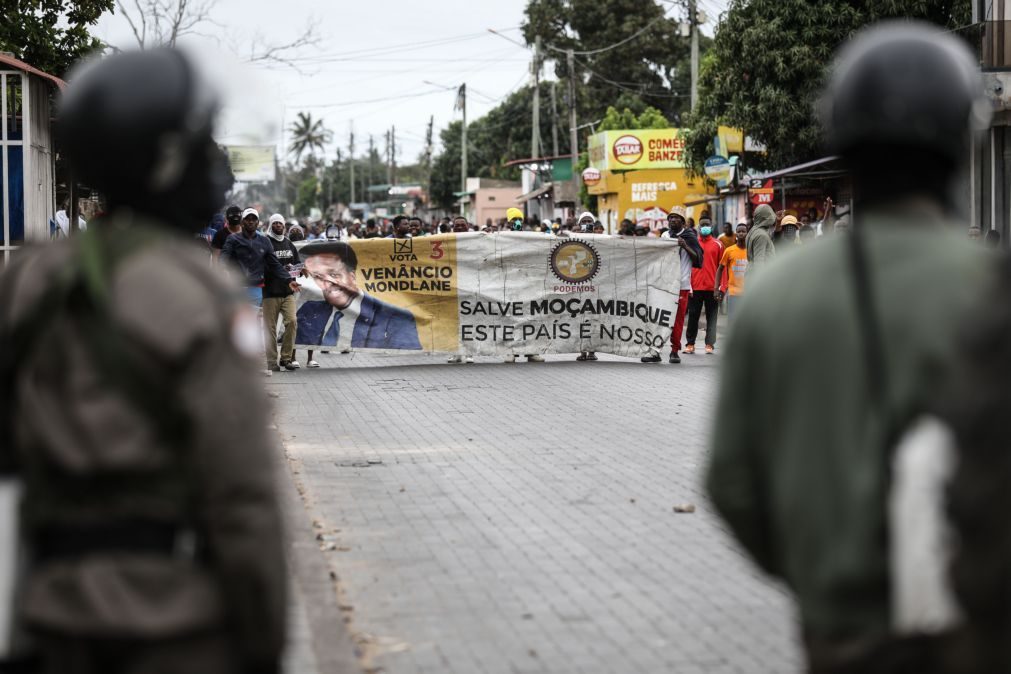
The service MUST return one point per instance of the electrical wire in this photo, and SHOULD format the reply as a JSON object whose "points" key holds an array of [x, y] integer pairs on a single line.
{"points": [[399, 48], [623, 87]]}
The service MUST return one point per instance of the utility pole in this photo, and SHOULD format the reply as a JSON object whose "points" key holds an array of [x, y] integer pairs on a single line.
{"points": [[428, 152], [554, 122], [393, 153], [693, 22], [461, 101], [331, 183], [535, 81], [372, 166], [351, 161], [573, 135], [389, 164]]}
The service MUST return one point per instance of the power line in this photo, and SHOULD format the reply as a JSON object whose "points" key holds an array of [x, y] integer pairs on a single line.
{"points": [[397, 49], [616, 44], [638, 91], [591, 52]]}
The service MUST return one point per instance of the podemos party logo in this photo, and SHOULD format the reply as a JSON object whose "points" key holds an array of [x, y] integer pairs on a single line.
{"points": [[627, 149], [575, 261]]}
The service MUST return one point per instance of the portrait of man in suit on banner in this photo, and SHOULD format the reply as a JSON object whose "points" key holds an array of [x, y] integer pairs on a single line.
{"points": [[347, 317]]}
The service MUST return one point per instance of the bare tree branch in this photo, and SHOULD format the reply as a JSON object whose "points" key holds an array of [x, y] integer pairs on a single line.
{"points": [[284, 54], [138, 34], [164, 22]]}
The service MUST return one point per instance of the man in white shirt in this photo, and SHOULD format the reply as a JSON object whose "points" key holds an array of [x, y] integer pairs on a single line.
{"points": [[691, 256]]}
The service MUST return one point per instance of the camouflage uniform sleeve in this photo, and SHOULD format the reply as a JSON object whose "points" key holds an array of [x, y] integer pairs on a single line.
{"points": [[234, 457], [735, 478]]}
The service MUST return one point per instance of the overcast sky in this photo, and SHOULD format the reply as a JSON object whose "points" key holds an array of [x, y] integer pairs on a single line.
{"points": [[375, 56]]}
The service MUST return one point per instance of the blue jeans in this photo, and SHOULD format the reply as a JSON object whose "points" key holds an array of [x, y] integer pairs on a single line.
{"points": [[255, 296]]}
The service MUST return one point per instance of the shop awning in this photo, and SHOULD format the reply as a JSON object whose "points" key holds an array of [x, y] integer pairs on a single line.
{"points": [[540, 191], [804, 170], [703, 200]]}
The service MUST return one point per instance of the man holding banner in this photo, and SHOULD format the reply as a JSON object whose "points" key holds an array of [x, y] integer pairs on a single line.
{"points": [[690, 256]]}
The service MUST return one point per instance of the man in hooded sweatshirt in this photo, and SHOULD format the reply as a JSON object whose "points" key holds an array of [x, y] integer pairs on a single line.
{"points": [[761, 250], [279, 299]]}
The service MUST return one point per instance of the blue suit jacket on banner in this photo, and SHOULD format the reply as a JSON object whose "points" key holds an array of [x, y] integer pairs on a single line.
{"points": [[379, 326]]}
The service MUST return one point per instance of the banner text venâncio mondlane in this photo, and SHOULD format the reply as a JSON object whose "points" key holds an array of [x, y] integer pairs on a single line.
{"points": [[408, 279]]}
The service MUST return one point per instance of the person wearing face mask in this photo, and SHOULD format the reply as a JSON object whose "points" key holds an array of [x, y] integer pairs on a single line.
{"points": [[233, 224], [514, 217], [703, 290]]}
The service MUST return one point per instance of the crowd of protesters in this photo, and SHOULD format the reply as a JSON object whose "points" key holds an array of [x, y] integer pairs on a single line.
{"points": [[714, 264]]}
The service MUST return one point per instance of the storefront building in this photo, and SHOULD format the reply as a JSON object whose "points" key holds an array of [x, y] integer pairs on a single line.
{"points": [[639, 175]]}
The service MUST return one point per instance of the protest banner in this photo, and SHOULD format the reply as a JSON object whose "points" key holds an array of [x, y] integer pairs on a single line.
{"points": [[490, 294]]}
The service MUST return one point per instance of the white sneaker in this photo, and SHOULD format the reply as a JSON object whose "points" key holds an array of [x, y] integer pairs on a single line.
{"points": [[312, 363], [468, 359], [343, 351], [535, 358], [294, 365], [455, 359], [511, 358], [268, 373]]}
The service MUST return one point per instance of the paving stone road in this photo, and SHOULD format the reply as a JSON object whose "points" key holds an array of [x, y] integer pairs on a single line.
{"points": [[519, 518]]}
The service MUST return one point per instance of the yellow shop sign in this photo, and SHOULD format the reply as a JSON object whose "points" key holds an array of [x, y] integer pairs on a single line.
{"points": [[637, 149]]}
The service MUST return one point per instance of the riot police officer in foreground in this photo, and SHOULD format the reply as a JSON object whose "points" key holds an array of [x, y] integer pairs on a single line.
{"points": [[132, 411], [837, 349]]}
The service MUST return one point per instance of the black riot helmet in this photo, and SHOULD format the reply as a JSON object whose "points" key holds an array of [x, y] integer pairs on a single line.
{"points": [[904, 94], [137, 127]]}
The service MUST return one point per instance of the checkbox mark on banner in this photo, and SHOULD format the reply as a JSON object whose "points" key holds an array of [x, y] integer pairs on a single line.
{"points": [[403, 246]]}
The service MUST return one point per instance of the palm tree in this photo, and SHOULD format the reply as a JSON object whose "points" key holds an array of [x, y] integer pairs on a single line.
{"points": [[308, 135]]}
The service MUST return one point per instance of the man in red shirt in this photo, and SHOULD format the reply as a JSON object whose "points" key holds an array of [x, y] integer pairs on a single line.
{"points": [[703, 287]]}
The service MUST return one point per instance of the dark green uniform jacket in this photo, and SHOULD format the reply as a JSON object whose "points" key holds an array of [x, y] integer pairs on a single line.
{"points": [[92, 461], [799, 465]]}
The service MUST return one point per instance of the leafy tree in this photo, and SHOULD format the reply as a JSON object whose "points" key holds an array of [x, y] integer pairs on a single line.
{"points": [[50, 34], [650, 118], [768, 63], [308, 135], [307, 196], [499, 137], [651, 65]]}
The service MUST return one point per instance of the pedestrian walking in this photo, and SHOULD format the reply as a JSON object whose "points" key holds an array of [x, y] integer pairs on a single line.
{"points": [[735, 263], [279, 299], [401, 228], [704, 290], [787, 229], [759, 244], [727, 237], [233, 223], [252, 253], [151, 518], [802, 471], [690, 253]]}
